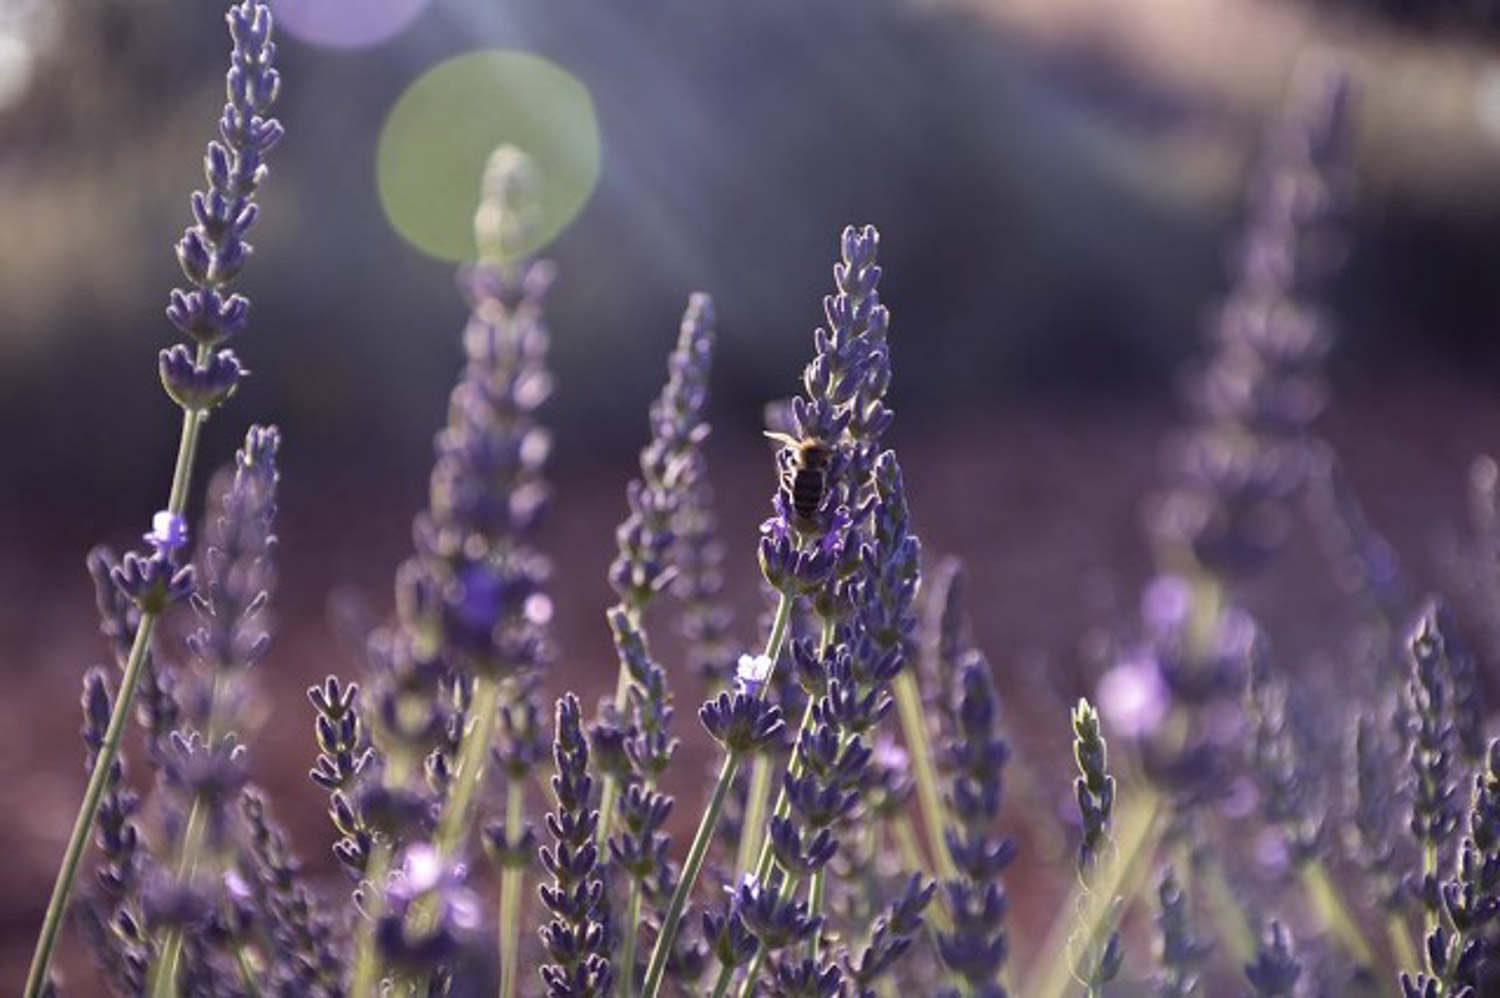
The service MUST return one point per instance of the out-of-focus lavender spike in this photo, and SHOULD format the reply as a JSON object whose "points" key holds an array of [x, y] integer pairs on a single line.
{"points": [[1179, 950], [945, 638], [1236, 469], [1468, 687], [1290, 794], [1276, 970], [1373, 805], [448, 942], [308, 958], [471, 605], [1430, 747], [236, 577], [671, 464], [706, 620]]}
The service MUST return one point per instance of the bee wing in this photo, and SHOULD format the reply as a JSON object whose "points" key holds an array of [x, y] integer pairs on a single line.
{"points": [[783, 439]]}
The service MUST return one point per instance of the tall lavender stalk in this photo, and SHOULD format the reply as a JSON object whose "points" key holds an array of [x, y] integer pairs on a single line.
{"points": [[636, 727], [472, 627], [199, 379], [844, 413], [236, 575]]}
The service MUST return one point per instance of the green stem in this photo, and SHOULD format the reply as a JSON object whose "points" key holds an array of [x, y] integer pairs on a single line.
{"points": [[41, 959], [911, 857], [1333, 912], [627, 951], [690, 867], [367, 969], [36, 978], [453, 822], [1402, 949], [1429, 870], [512, 879], [247, 970], [755, 810], [473, 752], [164, 970], [918, 744], [721, 984], [815, 908], [609, 787], [760, 772], [1225, 911]]}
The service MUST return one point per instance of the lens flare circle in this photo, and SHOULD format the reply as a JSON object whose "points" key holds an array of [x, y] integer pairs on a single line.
{"points": [[441, 130], [345, 24]]}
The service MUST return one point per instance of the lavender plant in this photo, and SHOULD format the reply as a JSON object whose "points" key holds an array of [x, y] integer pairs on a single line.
{"points": [[199, 379], [827, 888]]}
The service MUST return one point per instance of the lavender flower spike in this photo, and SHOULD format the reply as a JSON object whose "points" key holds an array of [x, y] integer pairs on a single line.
{"points": [[211, 252], [574, 939]]}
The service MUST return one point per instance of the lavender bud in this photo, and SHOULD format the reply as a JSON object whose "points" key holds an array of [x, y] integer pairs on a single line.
{"points": [[1275, 971], [199, 388]]}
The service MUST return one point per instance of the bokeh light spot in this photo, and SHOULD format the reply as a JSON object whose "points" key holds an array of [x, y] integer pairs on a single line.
{"points": [[345, 24], [15, 69], [441, 131]]}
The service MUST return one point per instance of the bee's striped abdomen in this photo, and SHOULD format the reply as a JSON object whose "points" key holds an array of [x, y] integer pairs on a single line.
{"points": [[807, 492]]}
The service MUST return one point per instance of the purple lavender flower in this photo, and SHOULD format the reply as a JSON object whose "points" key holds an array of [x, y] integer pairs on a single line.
{"points": [[773, 915], [1290, 791], [1179, 950], [1374, 804], [124, 862], [975, 948], [742, 723], [1430, 746], [671, 464], [426, 878], [1275, 971], [309, 958], [213, 250], [1248, 454], [574, 939], [706, 618], [236, 574], [894, 933], [153, 581]]}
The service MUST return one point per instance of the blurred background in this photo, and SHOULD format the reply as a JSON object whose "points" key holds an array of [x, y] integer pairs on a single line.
{"points": [[1057, 183]]}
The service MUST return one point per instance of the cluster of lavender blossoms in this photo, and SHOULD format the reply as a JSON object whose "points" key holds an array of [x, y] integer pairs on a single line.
{"points": [[810, 874]]}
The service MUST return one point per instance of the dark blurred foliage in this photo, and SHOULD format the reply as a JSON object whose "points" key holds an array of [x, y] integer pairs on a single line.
{"points": [[1479, 17]]}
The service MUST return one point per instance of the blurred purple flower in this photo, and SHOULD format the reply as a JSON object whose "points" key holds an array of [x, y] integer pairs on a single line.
{"points": [[1133, 697]]}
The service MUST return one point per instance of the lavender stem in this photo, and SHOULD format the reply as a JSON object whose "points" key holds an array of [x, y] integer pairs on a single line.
{"points": [[760, 778], [164, 979], [690, 867], [914, 733], [36, 978], [511, 884], [41, 960], [706, 825]]}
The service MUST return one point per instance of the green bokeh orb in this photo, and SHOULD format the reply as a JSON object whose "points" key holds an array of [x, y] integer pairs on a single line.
{"points": [[441, 131]]}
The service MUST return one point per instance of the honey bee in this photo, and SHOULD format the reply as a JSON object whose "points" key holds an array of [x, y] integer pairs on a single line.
{"points": [[804, 477]]}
